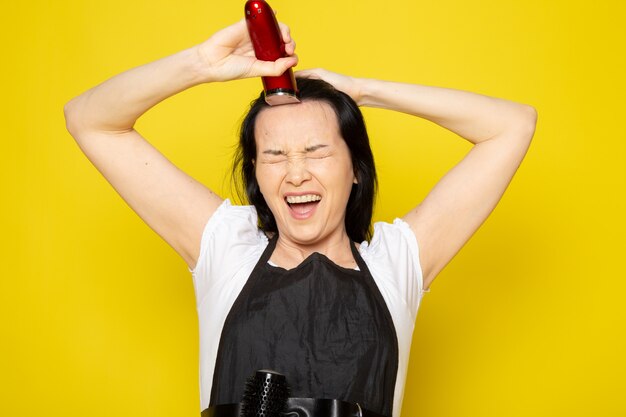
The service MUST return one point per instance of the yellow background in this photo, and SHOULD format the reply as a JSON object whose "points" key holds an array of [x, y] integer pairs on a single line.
{"points": [[97, 312]]}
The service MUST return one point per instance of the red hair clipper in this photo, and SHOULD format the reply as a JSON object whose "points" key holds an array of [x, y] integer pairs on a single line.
{"points": [[268, 46]]}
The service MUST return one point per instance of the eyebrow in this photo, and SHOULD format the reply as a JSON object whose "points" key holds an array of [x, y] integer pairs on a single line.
{"points": [[273, 152], [312, 148]]}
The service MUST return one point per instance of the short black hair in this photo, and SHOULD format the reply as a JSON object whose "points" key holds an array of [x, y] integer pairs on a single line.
{"points": [[352, 128]]}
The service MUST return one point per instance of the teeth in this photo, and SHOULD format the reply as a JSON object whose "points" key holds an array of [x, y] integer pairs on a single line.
{"points": [[295, 199]]}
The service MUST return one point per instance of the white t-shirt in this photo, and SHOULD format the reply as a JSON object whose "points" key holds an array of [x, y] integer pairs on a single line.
{"points": [[232, 245]]}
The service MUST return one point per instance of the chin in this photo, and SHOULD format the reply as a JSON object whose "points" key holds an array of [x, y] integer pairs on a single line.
{"points": [[304, 238], [311, 234]]}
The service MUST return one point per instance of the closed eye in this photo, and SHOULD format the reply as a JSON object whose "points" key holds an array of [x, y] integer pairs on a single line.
{"points": [[318, 152], [273, 159], [318, 156], [273, 156]]}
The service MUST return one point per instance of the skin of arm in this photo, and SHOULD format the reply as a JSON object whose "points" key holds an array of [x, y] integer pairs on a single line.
{"points": [[461, 201], [102, 119]]}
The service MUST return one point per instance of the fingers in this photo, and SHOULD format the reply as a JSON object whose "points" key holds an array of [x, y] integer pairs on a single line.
{"points": [[349, 85], [276, 68], [230, 36], [285, 32], [290, 48], [283, 64], [290, 44], [310, 73]]}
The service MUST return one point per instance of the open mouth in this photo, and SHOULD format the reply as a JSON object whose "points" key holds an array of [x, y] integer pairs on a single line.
{"points": [[302, 206]]}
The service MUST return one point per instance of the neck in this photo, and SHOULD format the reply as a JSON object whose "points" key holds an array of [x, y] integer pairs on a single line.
{"points": [[289, 254]]}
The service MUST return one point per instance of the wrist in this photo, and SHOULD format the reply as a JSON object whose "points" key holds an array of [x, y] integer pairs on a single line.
{"points": [[198, 65], [364, 92]]}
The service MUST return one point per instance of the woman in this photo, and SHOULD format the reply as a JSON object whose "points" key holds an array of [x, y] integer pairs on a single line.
{"points": [[299, 289]]}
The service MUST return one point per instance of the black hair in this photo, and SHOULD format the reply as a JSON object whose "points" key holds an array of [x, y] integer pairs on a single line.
{"points": [[360, 205]]}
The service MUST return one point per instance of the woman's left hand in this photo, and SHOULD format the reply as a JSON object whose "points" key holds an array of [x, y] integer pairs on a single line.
{"points": [[349, 85]]}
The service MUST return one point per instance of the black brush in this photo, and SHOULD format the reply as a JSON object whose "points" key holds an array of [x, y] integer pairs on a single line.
{"points": [[265, 395]]}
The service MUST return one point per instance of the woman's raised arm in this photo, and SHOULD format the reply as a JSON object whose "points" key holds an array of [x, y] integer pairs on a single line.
{"points": [[102, 120], [460, 202]]}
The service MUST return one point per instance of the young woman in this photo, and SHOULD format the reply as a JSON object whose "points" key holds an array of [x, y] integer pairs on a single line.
{"points": [[296, 282]]}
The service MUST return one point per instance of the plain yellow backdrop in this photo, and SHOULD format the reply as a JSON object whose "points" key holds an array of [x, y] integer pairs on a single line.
{"points": [[97, 312]]}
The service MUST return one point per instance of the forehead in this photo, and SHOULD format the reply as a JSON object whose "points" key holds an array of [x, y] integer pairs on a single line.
{"points": [[293, 124]]}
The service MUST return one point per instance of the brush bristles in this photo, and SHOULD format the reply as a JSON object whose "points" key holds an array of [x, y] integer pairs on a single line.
{"points": [[265, 395]]}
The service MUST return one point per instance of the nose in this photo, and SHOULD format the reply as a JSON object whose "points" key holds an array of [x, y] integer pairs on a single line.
{"points": [[297, 172]]}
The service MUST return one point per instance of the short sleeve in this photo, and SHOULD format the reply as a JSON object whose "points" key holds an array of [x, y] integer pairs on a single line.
{"points": [[393, 258], [230, 237]]}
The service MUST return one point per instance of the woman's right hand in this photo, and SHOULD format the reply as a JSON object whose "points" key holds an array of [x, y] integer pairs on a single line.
{"points": [[102, 121], [229, 55]]}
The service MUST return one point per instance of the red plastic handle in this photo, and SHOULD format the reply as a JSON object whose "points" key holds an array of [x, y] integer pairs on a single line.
{"points": [[269, 46]]}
